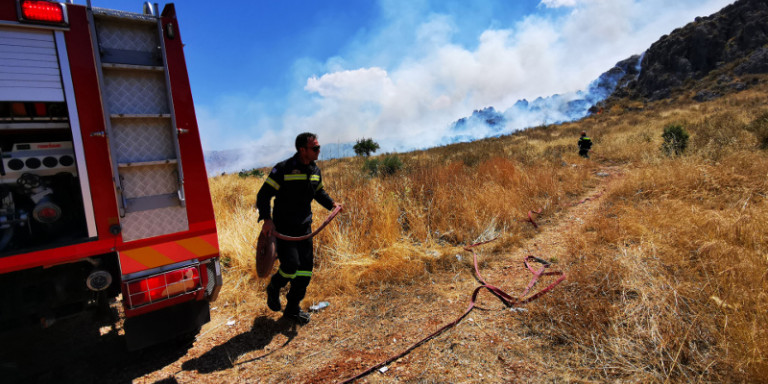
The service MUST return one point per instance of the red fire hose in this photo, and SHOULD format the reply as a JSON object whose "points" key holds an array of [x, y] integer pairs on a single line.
{"points": [[530, 216], [265, 246], [505, 298]]}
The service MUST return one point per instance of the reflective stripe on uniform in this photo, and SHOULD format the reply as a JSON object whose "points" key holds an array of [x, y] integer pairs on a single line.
{"points": [[296, 177], [283, 274], [273, 183], [314, 178], [297, 274], [319, 187]]}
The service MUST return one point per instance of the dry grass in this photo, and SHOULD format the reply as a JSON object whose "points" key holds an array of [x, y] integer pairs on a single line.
{"points": [[671, 278], [670, 275], [666, 276]]}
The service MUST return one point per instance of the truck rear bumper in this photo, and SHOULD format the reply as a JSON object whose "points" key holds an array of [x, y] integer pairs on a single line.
{"points": [[154, 290], [166, 324]]}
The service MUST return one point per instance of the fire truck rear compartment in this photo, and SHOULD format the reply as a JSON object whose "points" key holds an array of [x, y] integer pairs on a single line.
{"points": [[41, 204], [41, 199], [40, 296]]}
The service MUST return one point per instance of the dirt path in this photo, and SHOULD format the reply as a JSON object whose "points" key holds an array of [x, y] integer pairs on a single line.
{"points": [[247, 343], [550, 242]]}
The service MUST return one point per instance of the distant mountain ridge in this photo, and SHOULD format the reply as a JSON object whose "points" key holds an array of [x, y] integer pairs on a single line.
{"points": [[732, 43], [733, 40]]}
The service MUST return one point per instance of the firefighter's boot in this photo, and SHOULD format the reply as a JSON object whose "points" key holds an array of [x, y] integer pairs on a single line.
{"points": [[293, 310], [297, 316], [273, 298]]}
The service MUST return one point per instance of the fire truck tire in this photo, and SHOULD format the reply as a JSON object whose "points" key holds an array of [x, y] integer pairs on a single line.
{"points": [[181, 321]]}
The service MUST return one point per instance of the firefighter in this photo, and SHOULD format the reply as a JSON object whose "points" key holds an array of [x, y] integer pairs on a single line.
{"points": [[294, 183], [585, 144]]}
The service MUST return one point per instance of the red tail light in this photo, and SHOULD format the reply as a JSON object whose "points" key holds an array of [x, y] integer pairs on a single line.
{"points": [[41, 110], [42, 11], [18, 109], [164, 286]]}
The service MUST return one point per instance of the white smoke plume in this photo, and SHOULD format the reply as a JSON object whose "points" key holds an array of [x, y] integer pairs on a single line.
{"points": [[405, 82]]}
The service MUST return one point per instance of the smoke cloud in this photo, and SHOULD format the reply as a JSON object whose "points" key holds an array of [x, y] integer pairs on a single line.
{"points": [[408, 80]]}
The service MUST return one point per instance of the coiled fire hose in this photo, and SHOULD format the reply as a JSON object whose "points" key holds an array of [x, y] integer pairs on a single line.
{"points": [[505, 298], [266, 250]]}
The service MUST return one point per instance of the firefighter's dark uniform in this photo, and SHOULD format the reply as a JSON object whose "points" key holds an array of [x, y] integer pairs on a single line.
{"points": [[585, 143], [294, 186]]}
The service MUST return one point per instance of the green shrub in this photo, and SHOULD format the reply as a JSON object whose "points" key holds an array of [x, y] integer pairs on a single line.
{"points": [[251, 173], [371, 166], [759, 127], [390, 165], [675, 140]]}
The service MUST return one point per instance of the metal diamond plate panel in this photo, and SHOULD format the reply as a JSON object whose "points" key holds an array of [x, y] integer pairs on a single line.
{"points": [[145, 224], [135, 92], [149, 180], [138, 140], [128, 36]]}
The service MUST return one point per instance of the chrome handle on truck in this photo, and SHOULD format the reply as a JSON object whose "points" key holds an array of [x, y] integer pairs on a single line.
{"points": [[99, 134]]}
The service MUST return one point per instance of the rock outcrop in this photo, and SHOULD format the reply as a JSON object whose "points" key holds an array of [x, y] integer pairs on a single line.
{"points": [[738, 34]]}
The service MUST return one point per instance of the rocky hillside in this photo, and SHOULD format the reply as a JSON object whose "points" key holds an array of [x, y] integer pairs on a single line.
{"points": [[729, 44], [706, 59]]}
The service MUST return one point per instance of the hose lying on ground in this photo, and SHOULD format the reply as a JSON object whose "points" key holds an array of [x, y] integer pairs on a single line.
{"points": [[505, 298]]}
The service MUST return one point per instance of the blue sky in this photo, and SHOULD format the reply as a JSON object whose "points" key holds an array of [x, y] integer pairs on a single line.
{"points": [[398, 71]]}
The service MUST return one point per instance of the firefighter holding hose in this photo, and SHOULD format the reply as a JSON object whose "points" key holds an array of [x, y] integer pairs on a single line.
{"points": [[294, 183]]}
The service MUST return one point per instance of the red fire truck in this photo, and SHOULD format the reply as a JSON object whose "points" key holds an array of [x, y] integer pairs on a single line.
{"points": [[103, 189]]}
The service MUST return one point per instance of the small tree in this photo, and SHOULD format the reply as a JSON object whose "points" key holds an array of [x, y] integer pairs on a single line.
{"points": [[675, 140], [365, 147]]}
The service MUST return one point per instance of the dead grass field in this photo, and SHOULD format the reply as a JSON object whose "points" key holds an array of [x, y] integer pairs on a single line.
{"points": [[666, 263]]}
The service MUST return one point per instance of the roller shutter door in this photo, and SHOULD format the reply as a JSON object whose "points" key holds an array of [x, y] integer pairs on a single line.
{"points": [[29, 66]]}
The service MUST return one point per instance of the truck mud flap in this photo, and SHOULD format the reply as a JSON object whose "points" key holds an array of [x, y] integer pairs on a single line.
{"points": [[166, 324]]}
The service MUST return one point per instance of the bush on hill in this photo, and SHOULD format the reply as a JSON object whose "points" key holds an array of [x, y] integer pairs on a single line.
{"points": [[675, 140]]}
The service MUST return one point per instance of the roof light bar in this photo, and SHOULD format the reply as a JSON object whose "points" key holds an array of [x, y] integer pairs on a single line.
{"points": [[42, 11]]}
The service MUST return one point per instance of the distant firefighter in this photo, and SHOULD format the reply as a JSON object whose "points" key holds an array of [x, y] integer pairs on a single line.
{"points": [[585, 144]]}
